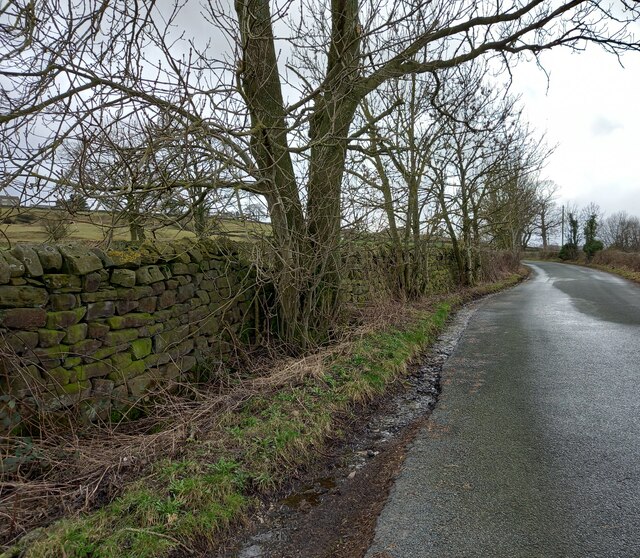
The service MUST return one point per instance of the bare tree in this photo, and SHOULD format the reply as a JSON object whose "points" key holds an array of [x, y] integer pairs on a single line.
{"points": [[622, 232], [549, 217], [65, 64]]}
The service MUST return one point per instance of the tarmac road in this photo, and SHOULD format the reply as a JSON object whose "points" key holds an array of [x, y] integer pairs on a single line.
{"points": [[534, 447]]}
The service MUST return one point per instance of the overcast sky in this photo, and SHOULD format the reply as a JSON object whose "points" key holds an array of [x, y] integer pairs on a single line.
{"points": [[592, 111]]}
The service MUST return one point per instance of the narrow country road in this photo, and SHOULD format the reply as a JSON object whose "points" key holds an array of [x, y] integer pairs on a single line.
{"points": [[534, 448]]}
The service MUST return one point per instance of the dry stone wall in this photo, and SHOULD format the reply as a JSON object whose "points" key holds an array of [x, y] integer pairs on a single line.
{"points": [[95, 331]]}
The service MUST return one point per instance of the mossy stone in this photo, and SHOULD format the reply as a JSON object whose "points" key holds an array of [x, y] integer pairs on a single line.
{"points": [[22, 296], [78, 259], [76, 333], [27, 255], [119, 337], [141, 348], [123, 277], [50, 337]]}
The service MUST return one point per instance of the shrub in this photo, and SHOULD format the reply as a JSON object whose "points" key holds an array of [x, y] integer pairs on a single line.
{"points": [[568, 252]]}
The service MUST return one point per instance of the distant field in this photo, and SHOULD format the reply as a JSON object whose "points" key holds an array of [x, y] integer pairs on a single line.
{"points": [[29, 225]]}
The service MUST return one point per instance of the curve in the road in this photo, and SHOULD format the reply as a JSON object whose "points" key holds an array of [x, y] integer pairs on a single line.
{"points": [[534, 448]]}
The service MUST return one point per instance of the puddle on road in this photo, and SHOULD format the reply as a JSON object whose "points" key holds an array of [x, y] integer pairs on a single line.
{"points": [[309, 495]]}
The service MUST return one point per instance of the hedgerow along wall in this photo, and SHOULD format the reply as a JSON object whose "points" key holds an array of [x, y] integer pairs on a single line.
{"points": [[92, 332]]}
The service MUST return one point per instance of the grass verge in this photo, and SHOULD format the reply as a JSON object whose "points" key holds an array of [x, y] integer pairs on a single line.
{"points": [[189, 503], [621, 271]]}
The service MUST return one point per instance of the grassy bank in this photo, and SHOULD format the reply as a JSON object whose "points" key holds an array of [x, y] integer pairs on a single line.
{"points": [[236, 453]]}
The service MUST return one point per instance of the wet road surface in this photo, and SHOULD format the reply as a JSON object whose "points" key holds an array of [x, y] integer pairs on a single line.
{"points": [[534, 447]]}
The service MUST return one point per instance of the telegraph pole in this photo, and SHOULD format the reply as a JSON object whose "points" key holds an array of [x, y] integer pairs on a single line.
{"points": [[561, 245]]}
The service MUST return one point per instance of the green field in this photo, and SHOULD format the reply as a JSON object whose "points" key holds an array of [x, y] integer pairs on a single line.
{"points": [[34, 225]]}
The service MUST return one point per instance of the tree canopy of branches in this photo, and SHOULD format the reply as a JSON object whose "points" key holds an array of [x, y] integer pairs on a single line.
{"points": [[277, 105]]}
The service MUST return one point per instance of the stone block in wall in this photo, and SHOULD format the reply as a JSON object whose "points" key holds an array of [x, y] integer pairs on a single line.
{"points": [[149, 274], [181, 349], [103, 256], [172, 284], [203, 296], [166, 339], [179, 268], [97, 330], [65, 396], [182, 254], [91, 282], [180, 310], [148, 304], [71, 362], [188, 363], [76, 333], [105, 352], [78, 259], [129, 259], [23, 318], [62, 282], [170, 371], [139, 385], [58, 376], [141, 348], [183, 280], [151, 330], [126, 306], [16, 267], [158, 288], [119, 337], [85, 348], [50, 337], [29, 258], [5, 271], [152, 360], [135, 319], [19, 341], [103, 309], [104, 294], [22, 297], [62, 301], [186, 292], [49, 357], [123, 277], [211, 326], [166, 299], [208, 284], [18, 281], [101, 387], [96, 369], [49, 256], [199, 314], [195, 254], [65, 318], [121, 360], [135, 293], [160, 358], [134, 369]]}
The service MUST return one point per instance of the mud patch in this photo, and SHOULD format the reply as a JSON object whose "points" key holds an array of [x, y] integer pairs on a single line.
{"points": [[333, 514]]}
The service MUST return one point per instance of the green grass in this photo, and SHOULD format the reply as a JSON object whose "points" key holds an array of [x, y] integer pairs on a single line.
{"points": [[188, 503], [93, 226]]}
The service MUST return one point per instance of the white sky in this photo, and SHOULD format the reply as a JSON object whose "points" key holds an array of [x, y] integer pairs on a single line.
{"points": [[592, 112]]}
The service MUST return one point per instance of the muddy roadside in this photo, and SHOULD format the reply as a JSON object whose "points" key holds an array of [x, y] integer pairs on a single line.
{"points": [[332, 511]]}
